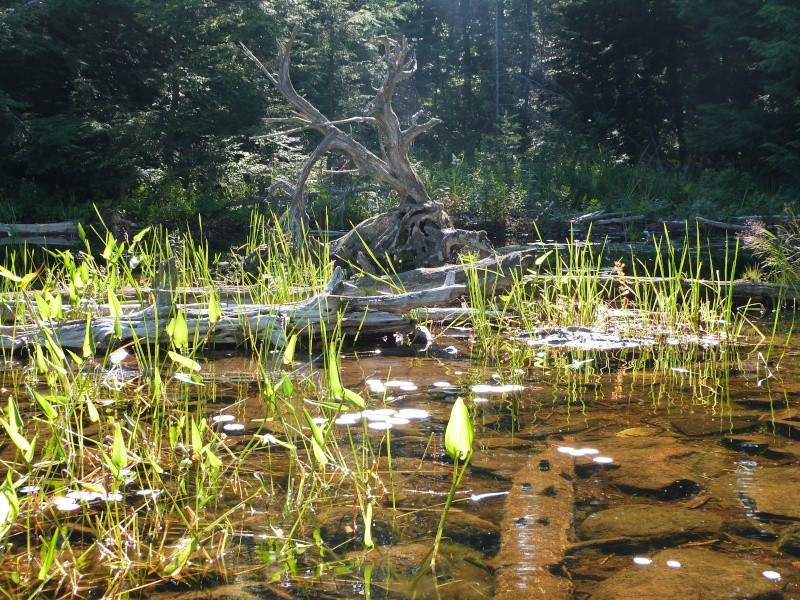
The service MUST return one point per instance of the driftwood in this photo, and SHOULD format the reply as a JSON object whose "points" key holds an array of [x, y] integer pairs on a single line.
{"points": [[495, 273], [418, 232]]}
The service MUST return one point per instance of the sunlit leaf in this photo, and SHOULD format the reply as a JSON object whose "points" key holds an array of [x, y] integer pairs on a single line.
{"points": [[459, 433], [47, 408], [178, 331], [315, 431], [368, 543], [334, 381], [91, 408], [138, 237], [214, 307], [319, 453], [9, 506], [212, 460], [88, 339], [115, 311], [184, 361], [540, 259], [9, 275], [288, 351], [287, 389], [16, 437], [119, 454], [353, 398], [43, 305], [188, 378]]}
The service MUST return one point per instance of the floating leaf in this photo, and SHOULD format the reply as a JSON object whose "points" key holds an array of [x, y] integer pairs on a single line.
{"points": [[459, 433]]}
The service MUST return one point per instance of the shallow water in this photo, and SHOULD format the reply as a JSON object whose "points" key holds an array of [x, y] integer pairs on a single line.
{"points": [[669, 449]]}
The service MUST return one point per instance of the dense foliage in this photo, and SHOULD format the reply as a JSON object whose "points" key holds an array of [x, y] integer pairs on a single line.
{"points": [[650, 105]]}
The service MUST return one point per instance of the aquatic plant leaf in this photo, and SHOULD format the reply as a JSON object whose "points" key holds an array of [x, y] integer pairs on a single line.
{"points": [[214, 307], [539, 260], [94, 414], [48, 554], [197, 438], [288, 351], [353, 398], [212, 460], [47, 408], [88, 339], [43, 305], [9, 506], [138, 237], [115, 312], [119, 455], [190, 379], [459, 433], [9, 275], [287, 389], [368, 543], [334, 381], [178, 331], [315, 431], [180, 557], [319, 453], [184, 361]]}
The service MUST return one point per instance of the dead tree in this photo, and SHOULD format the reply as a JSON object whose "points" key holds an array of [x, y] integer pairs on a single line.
{"points": [[415, 234]]}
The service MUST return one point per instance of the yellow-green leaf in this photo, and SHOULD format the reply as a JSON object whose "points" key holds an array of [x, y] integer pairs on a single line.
{"points": [[315, 432], [184, 361], [319, 453], [288, 351], [353, 398], [119, 454]]}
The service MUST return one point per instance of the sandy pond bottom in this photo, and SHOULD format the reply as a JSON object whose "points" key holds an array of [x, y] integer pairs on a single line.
{"points": [[611, 475]]}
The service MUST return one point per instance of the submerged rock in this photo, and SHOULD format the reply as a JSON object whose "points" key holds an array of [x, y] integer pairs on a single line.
{"points": [[773, 492], [459, 575], [692, 573], [651, 522], [646, 466], [789, 542]]}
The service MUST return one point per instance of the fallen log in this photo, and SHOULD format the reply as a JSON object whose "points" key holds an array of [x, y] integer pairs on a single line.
{"points": [[495, 273], [64, 233]]}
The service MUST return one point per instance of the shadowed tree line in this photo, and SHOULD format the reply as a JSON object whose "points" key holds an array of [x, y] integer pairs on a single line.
{"points": [[648, 105]]}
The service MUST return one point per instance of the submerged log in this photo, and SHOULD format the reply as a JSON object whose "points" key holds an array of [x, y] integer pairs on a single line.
{"points": [[536, 528]]}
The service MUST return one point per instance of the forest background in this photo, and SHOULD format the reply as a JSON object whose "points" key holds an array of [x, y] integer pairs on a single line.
{"points": [[658, 107]]}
